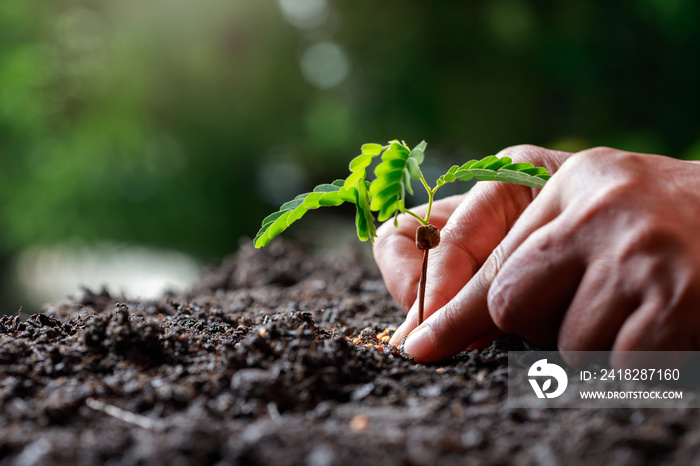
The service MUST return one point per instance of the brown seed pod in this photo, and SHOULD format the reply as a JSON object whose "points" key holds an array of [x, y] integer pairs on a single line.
{"points": [[427, 237]]}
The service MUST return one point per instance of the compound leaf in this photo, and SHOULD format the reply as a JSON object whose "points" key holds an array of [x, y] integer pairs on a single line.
{"points": [[322, 196], [387, 193], [492, 168], [393, 177]]}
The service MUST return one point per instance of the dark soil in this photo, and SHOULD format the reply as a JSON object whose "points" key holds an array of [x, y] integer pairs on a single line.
{"points": [[275, 358]]}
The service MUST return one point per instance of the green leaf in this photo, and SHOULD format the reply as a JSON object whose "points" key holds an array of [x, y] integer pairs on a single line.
{"points": [[394, 154], [358, 169], [399, 147], [294, 203], [358, 165], [498, 163], [386, 189], [448, 177], [393, 177], [371, 149], [360, 162], [418, 152], [485, 161], [413, 168], [390, 165], [492, 168], [407, 184], [322, 196], [353, 189], [521, 177], [386, 184], [364, 219]]}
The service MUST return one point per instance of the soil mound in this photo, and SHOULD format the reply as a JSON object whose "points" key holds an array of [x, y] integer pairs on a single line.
{"points": [[281, 357]]}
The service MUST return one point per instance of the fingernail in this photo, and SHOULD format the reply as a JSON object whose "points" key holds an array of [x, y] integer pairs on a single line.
{"points": [[405, 327], [399, 334], [419, 343]]}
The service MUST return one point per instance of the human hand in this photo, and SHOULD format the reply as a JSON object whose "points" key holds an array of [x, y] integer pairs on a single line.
{"points": [[471, 225], [607, 256]]}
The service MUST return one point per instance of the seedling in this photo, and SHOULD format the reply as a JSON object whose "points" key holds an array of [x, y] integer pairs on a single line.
{"points": [[386, 194]]}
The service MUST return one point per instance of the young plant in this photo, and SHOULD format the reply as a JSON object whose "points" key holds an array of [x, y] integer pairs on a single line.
{"points": [[386, 194]]}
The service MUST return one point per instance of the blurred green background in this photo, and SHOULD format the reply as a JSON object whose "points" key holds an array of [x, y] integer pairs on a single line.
{"points": [[178, 125]]}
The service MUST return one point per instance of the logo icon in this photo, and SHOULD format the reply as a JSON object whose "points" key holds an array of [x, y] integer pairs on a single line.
{"points": [[548, 371]]}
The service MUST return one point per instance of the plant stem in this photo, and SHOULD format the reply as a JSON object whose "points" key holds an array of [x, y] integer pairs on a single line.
{"points": [[424, 270], [421, 286], [417, 217], [431, 194]]}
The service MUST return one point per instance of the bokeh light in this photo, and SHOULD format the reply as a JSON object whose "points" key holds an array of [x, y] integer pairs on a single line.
{"points": [[305, 14], [325, 64]]}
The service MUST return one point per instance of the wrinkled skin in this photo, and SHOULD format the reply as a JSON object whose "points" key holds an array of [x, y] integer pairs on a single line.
{"points": [[605, 257]]}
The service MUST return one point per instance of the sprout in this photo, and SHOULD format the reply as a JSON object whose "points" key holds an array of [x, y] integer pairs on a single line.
{"points": [[386, 194]]}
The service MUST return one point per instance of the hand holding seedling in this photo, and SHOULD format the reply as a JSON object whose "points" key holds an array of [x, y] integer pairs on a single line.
{"points": [[606, 256], [387, 194]]}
